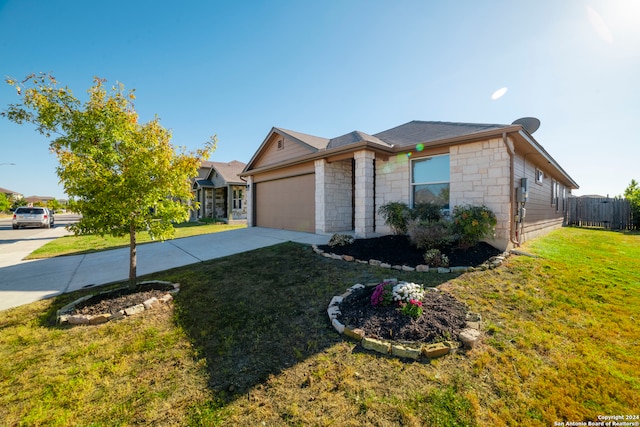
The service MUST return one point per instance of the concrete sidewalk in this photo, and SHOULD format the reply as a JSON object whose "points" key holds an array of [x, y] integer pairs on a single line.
{"points": [[29, 281]]}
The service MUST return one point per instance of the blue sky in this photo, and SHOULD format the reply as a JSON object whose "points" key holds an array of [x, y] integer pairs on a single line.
{"points": [[238, 68]]}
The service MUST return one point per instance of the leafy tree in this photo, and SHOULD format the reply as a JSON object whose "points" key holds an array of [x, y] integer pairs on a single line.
{"points": [[54, 204], [632, 193], [5, 203], [18, 202], [125, 176]]}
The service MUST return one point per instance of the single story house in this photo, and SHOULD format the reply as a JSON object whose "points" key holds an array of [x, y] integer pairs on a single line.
{"points": [[11, 195], [330, 185], [220, 192], [31, 200]]}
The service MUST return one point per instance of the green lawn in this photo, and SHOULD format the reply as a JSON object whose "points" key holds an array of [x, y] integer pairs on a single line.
{"points": [[74, 245], [248, 343]]}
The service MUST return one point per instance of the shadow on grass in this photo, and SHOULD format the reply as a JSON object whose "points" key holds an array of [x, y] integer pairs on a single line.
{"points": [[253, 315]]}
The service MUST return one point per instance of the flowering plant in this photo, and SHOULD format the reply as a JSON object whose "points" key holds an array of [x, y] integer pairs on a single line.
{"points": [[413, 308], [435, 258], [404, 292], [382, 294], [472, 224]]}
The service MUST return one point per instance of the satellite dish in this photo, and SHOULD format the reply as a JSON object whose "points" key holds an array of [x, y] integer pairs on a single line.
{"points": [[530, 124]]}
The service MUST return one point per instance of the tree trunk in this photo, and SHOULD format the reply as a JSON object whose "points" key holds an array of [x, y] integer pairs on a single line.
{"points": [[132, 256]]}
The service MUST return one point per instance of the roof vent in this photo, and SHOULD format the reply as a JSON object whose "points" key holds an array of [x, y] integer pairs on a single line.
{"points": [[530, 124]]}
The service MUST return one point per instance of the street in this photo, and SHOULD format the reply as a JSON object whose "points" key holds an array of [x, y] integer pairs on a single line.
{"points": [[16, 244]]}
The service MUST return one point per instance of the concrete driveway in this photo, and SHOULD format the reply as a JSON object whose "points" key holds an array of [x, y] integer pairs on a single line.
{"points": [[23, 282]]}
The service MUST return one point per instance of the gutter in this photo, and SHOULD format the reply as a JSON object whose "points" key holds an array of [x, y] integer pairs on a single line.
{"points": [[512, 225]]}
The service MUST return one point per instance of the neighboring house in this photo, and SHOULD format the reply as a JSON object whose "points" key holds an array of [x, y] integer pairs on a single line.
{"points": [[31, 200], [11, 195], [220, 192], [320, 185]]}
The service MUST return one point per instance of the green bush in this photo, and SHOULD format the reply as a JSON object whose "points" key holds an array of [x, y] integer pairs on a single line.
{"points": [[396, 215], [429, 235], [435, 258], [470, 224], [341, 240], [427, 212]]}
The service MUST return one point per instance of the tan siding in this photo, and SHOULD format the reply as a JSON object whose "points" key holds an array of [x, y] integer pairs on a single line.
{"points": [[302, 169], [286, 203], [271, 154]]}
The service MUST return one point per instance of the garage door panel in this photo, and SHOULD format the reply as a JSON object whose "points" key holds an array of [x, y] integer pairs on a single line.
{"points": [[287, 203]]}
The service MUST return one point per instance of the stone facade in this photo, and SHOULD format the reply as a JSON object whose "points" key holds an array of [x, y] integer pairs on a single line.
{"points": [[480, 175], [334, 196], [364, 191]]}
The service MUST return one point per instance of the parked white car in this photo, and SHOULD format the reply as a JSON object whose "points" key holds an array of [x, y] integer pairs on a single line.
{"points": [[32, 217]]}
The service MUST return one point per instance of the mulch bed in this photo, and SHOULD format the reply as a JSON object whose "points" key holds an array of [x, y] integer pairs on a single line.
{"points": [[442, 319], [397, 250], [119, 299]]}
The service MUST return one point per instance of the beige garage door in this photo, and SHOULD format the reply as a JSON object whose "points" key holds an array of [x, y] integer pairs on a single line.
{"points": [[287, 203]]}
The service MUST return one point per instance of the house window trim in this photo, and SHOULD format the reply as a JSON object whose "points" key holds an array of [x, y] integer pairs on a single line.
{"points": [[539, 176], [236, 198], [555, 194], [412, 184]]}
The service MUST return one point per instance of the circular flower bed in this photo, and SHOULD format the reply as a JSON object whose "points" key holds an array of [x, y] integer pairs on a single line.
{"points": [[404, 319]]}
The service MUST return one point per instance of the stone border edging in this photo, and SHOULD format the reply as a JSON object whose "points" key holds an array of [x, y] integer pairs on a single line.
{"points": [[491, 263], [468, 337], [63, 316]]}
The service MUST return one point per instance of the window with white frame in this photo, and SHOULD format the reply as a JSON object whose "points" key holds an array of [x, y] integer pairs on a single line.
{"points": [[237, 198], [430, 180], [539, 176]]}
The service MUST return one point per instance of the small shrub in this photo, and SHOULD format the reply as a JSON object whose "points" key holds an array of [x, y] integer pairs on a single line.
{"points": [[340, 240], [429, 235], [435, 258], [396, 215], [427, 212], [472, 223]]}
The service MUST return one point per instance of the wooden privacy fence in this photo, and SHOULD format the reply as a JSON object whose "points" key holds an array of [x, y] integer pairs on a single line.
{"points": [[601, 212]]}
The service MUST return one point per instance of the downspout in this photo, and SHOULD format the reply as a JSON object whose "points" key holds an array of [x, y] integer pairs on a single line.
{"points": [[512, 224]]}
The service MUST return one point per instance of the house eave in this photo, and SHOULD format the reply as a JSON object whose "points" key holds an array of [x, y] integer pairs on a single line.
{"points": [[537, 149]]}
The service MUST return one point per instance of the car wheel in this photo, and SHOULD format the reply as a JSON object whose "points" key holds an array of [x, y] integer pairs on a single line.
{"points": [[15, 227]]}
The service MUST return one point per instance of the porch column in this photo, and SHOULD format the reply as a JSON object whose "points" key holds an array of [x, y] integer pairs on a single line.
{"points": [[364, 193], [321, 200], [250, 201]]}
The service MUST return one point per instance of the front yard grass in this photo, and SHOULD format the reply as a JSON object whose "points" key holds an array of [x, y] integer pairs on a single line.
{"points": [[75, 245], [248, 342]]}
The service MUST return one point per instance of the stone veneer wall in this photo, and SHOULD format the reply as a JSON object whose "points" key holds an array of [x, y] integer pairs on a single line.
{"points": [[334, 195], [480, 174], [393, 184], [364, 192]]}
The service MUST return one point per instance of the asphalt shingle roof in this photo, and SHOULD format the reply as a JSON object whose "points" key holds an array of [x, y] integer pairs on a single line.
{"points": [[230, 171], [417, 131], [314, 141], [354, 137]]}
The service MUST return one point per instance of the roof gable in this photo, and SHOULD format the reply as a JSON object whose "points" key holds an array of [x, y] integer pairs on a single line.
{"points": [[229, 172], [281, 145], [353, 138]]}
